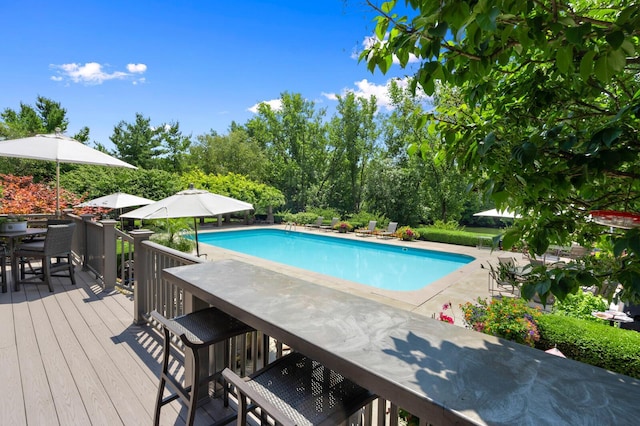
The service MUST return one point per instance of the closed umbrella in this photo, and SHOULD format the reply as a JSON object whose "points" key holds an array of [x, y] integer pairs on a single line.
{"points": [[58, 148], [190, 203]]}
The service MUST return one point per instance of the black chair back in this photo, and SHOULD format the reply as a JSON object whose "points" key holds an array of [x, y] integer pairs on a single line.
{"points": [[59, 239]]}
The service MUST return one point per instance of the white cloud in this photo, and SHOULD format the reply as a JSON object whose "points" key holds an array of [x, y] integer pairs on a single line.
{"points": [[370, 41], [366, 89], [136, 68], [275, 104], [94, 73]]}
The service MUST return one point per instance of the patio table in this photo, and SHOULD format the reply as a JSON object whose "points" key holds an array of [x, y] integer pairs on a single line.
{"points": [[14, 236], [442, 373]]}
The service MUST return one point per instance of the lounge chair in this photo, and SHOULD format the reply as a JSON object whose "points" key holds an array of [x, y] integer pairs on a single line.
{"points": [[389, 233], [502, 280], [367, 231], [334, 221], [316, 225]]}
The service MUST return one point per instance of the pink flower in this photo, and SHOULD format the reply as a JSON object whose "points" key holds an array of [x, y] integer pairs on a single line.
{"points": [[445, 318]]}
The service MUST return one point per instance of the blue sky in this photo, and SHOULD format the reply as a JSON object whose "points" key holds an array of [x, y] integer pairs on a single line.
{"points": [[201, 63]]}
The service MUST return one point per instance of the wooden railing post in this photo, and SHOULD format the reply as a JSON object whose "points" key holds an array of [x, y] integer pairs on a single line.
{"points": [[140, 285], [84, 242], [109, 262]]}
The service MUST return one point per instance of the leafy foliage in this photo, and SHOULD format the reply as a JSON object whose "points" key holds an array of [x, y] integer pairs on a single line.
{"points": [[509, 318], [293, 138], [406, 233], [20, 195], [143, 145], [541, 102], [580, 305], [343, 227], [233, 153], [236, 186], [301, 218], [96, 181], [173, 233]]}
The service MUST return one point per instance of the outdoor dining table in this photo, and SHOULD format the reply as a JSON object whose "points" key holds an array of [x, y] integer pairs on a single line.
{"points": [[13, 236], [442, 373]]}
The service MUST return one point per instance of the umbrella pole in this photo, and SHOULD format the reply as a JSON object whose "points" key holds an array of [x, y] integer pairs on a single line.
{"points": [[57, 189], [195, 226]]}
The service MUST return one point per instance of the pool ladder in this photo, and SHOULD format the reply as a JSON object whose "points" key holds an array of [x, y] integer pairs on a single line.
{"points": [[291, 226]]}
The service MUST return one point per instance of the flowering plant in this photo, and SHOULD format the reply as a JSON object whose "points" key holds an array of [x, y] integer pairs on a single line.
{"points": [[343, 227], [408, 234], [446, 318], [509, 318]]}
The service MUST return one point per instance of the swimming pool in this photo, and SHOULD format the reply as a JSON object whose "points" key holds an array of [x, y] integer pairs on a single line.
{"points": [[377, 265]]}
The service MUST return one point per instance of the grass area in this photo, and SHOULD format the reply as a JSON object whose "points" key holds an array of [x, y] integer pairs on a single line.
{"points": [[484, 231]]}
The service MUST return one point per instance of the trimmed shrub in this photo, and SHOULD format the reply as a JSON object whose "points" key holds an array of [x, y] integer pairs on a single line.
{"points": [[462, 238], [593, 343], [301, 218]]}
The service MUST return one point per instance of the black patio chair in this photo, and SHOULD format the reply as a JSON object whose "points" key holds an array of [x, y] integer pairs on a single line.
{"points": [[296, 390], [56, 246]]}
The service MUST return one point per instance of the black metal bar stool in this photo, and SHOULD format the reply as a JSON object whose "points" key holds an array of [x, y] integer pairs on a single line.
{"points": [[197, 330], [296, 390]]}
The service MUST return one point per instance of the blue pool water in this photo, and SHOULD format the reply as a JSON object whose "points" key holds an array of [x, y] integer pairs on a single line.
{"points": [[377, 265]]}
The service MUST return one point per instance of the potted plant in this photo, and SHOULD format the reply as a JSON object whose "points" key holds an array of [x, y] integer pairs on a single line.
{"points": [[408, 234], [13, 224], [343, 227]]}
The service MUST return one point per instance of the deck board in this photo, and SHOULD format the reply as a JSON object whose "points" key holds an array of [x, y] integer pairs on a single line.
{"points": [[74, 356], [66, 398], [38, 401]]}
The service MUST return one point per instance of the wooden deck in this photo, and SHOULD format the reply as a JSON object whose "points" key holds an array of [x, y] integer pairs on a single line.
{"points": [[74, 357]]}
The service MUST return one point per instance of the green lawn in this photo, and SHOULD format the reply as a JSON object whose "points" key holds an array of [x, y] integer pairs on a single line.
{"points": [[485, 231]]}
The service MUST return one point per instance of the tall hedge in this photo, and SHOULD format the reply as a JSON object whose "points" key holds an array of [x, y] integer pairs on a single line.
{"points": [[462, 238], [596, 344]]}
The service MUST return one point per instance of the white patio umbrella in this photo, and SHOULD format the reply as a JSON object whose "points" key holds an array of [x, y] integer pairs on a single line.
{"points": [[505, 214], [58, 148], [190, 203], [117, 200]]}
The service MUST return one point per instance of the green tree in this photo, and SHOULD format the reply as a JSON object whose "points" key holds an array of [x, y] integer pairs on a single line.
{"points": [[143, 145], [394, 192], [442, 188], [232, 153], [293, 137], [46, 117], [352, 135], [176, 147], [233, 185], [548, 113], [96, 181]]}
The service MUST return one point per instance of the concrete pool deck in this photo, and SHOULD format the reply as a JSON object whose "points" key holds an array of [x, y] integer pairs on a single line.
{"points": [[463, 285]]}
